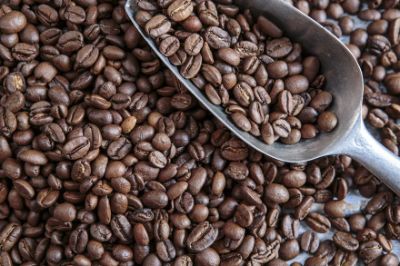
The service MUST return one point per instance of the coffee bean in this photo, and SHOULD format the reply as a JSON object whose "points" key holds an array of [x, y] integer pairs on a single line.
{"points": [[318, 222], [346, 241], [279, 48], [201, 237], [278, 69], [193, 44], [345, 257], [309, 242], [155, 199], [33, 157], [229, 56], [241, 121], [75, 14], [217, 38], [281, 128], [76, 148], [268, 27], [157, 26], [24, 189], [276, 193], [24, 52], [9, 236], [169, 46], [379, 202], [335, 209], [12, 22], [191, 66], [327, 121], [100, 232], [180, 10], [207, 257], [65, 212]]}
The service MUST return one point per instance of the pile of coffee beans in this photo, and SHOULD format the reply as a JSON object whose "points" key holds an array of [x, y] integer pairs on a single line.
{"points": [[265, 82], [104, 162]]}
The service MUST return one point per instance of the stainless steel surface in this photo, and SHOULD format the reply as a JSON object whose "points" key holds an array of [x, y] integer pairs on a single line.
{"points": [[344, 81]]}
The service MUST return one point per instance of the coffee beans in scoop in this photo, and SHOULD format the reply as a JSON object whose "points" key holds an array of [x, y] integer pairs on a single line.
{"points": [[265, 82]]}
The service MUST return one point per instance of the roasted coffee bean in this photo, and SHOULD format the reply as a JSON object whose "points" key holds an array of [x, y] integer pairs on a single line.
{"points": [[191, 66], [9, 236], [201, 237], [12, 22], [193, 44], [169, 46], [318, 222], [157, 26], [100, 232], [345, 241], [70, 41], [369, 251], [180, 10], [335, 208], [217, 38], [276, 193], [76, 148], [268, 27], [309, 242], [290, 227]]}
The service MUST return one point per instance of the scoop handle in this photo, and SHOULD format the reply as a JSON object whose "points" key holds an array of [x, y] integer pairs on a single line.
{"points": [[365, 149]]}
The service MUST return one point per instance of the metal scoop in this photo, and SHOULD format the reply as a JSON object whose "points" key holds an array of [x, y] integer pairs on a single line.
{"points": [[344, 81]]}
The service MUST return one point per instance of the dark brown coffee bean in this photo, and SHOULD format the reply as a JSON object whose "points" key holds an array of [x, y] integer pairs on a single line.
{"points": [[24, 52], [155, 199], [9, 236], [335, 209], [268, 27], [290, 227], [191, 66], [201, 237], [24, 189], [309, 242], [369, 251], [33, 157], [157, 26], [246, 49], [279, 48], [180, 10], [234, 150], [76, 148], [86, 56], [241, 121], [169, 46], [379, 202], [346, 241], [278, 69], [47, 15], [70, 41], [289, 249], [217, 38], [100, 232], [281, 128], [318, 222], [193, 44], [12, 22], [207, 257]]}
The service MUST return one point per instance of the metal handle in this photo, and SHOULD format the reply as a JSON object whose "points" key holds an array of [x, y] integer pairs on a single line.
{"points": [[364, 148]]}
